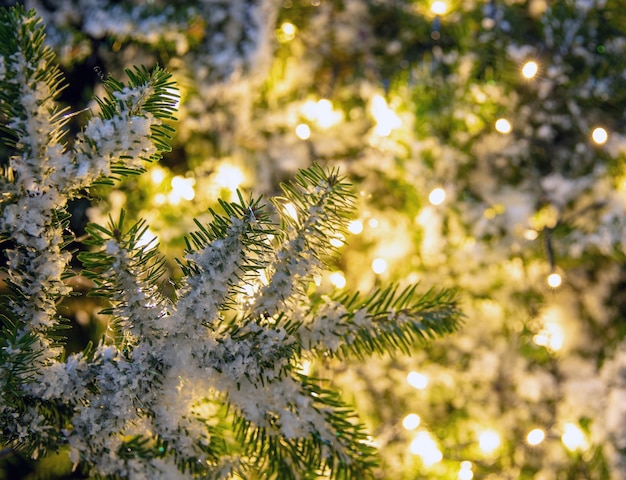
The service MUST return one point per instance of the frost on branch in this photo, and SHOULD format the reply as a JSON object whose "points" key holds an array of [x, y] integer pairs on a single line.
{"points": [[205, 384]]}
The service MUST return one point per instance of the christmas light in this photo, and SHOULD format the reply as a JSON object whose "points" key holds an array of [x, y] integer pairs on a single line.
{"points": [[439, 7], [535, 436], [489, 441], [426, 448], [551, 336], [157, 175], [182, 189], [286, 32], [503, 126], [321, 112], [373, 223], [411, 421], [599, 135], [417, 380], [303, 131], [379, 265], [386, 119], [229, 176], [465, 472], [355, 227], [437, 196], [530, 69], [338, 280], [554, 280], [573, 437]]}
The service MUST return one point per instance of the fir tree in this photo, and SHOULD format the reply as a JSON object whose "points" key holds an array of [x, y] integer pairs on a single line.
{"points": [[207, 381]]}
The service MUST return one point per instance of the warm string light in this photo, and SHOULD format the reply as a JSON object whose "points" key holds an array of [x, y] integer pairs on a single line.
{"points": [[425, 447], [417, 380], [321, 113], [286, 32], [465, 472], [386, 119], [554, 280], [489, 441], [599, 135], [535, 436], [303, 131], [503, 126], [355, 227], [439, 7], [338, 280], [182, 189], [411, 421], [530, 69], [379, 266], [574, 438], [437, 196]]}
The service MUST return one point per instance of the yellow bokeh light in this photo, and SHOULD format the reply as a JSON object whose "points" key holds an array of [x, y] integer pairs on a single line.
{"points": [[303, 131], [599, 135], [386, 119], [530, 69], [373, 223], [535, 436], [417, 380], [465, 472], [157, 175], [355, 227], [321, 112], [379, 265], [489, 441], [338, 280], [574, 438], [286, 32], [437, 196], [182, 189], [439, 7], [426, 448], [503, 126], [554, 280], [411, 421], [551, 336], [229, 176]]}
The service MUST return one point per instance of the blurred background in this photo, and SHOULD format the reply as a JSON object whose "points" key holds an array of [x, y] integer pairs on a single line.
{"points": [[486, 141]]}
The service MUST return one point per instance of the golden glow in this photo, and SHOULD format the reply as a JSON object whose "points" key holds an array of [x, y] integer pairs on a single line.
{"points": [[503, 126], [535, 436], [229, 176], [530, 69], [489, 441], [437, 196], [373, 223], [379, 265], [550, 336], [182, 189], [286, 32], [426, 448], [322, 113], [531, 234], [465, 472], [386, 119], [554, 280], [157, 175], [305, 367], [574, 438], [439, 7], [338, 280], [417, 380], [303, 131], [411, 421], [599, 135], [355, 227]]}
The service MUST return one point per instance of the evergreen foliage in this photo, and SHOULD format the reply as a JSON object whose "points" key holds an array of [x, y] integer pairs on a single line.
{"points": [[206, 382]]}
